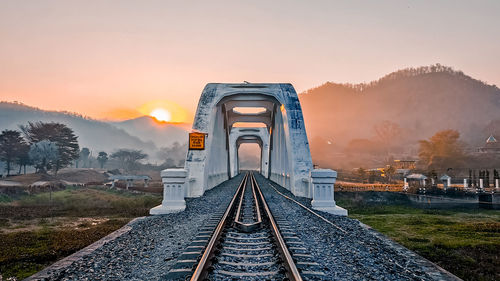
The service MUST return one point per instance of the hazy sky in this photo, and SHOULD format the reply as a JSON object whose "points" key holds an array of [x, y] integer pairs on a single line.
{"points": [[93, 57]]}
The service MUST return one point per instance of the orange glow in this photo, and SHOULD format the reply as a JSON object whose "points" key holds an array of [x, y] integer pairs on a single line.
{"points": [[249, 110], [249, 125], [166, 111], [161, 114], [120, 114]]}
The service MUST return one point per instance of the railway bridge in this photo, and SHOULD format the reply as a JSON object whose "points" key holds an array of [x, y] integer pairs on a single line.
{"points": [[231, 114], [246, 225]]}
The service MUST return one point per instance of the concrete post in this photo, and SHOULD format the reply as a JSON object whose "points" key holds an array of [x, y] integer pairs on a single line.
{"points": [[481, 184], [174, 184], [449, 182], [465, 183], [497, 186], [423, 182], [323, 181]]}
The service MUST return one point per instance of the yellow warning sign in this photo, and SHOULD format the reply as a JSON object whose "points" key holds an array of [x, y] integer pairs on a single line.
{"points": [[196, 141]]}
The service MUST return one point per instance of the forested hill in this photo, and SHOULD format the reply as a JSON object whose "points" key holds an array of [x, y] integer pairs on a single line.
{"points": [[94, 134], [421, 101]]}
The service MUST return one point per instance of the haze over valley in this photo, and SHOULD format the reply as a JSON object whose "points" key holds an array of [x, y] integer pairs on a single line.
{"points": [[348, 124]]}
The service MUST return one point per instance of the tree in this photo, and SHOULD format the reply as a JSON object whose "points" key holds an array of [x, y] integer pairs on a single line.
{"points": [[44, 155], [129, 158], [23, 158], [60, 134], [11, 145], [442, 151], [102, 158], [84, 157]]}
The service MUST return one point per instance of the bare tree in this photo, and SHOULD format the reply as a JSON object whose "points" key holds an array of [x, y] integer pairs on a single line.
{"points": [[129, 158]]}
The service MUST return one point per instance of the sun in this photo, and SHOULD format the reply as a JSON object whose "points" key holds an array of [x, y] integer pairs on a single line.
{"points": [[161, 114], [165, 111]]}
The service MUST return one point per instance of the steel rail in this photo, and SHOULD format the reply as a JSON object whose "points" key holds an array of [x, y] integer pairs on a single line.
{"points": [[240, 204], [257, 209], [248, 227], [291, 269], [201, 269]]}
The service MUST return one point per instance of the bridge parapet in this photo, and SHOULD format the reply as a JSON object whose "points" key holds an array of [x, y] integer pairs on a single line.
{"points": [[323, 181], [174, 191]]}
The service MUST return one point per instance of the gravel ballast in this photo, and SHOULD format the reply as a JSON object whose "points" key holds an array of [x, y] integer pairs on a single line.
{"points": [[357, 252], [149, 247]]}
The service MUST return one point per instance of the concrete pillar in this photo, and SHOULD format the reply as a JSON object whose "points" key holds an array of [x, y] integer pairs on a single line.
{"points": [[449, 182], [465, 183], [323, 181], [497, 186], [423, 182], [432, 181], [481, 184], [174, 184]]}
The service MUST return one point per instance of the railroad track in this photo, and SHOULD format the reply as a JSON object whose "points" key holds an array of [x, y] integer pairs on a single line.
{"points": [[246, 242]]}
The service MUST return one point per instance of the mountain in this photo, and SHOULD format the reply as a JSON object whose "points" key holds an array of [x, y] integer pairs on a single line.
{"points": [[414, 103], [342, 120], [94, 134], [161, 133]]}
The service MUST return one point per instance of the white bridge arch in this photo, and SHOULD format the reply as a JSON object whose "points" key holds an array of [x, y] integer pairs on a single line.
{"points": [[289, 157], [267, 114], [249, 135]]}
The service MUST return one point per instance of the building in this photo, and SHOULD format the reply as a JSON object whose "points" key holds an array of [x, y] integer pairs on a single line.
{"points": [[405, 164], [492, 146]]}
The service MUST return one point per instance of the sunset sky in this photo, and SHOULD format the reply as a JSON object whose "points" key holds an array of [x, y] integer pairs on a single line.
{"points": [[113, 59]]}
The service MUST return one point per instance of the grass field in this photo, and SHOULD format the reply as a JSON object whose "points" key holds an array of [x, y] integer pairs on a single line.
{"points": [[38, 230], [465, 242]]}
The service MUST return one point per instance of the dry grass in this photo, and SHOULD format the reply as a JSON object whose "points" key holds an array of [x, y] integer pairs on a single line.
{"points": [[37, 230]]}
